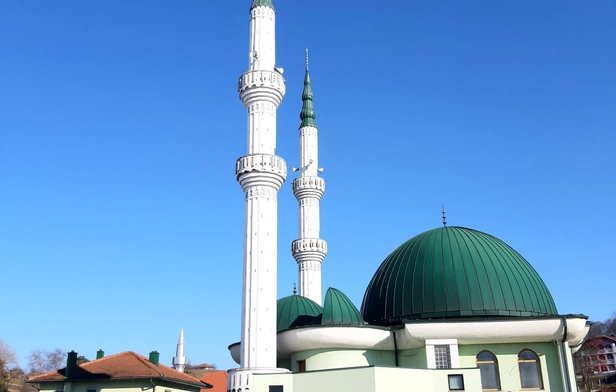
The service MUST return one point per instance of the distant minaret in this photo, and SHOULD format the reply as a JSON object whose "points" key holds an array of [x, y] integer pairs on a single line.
{"points": [[179, 361], [261, 174], [309, 250]]}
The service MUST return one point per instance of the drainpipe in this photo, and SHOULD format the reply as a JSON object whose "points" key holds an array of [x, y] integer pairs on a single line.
{"points": [[393, 331], [563, 357]]}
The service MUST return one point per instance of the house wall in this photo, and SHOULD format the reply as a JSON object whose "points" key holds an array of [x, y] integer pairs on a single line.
{"points": [[140, 385]]}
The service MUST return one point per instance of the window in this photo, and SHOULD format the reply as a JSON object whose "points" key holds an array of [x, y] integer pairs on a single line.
{"points": [[530, 370], [456, 382], [301, 365], [442, 354], [442, 357], [90, 389], [276, 388], [488, 366]]}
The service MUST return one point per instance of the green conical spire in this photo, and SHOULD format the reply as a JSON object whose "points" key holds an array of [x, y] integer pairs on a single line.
{"points": [[266, 3], [307, 115]]}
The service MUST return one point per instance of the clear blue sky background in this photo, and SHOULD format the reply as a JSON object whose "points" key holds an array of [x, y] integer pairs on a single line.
{"points": [[121, 220]]}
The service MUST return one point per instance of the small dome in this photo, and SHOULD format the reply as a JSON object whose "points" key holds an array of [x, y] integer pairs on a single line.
{"points": [[453, 272], [294, 311], [339, 310]]}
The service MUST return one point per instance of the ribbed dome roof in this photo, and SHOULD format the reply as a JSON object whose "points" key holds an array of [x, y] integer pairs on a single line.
{"points": [[294, 311], [453, 272], [339, 310]]}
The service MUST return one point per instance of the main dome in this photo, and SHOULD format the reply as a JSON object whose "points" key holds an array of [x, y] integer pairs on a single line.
{"points": [[453, 272]]}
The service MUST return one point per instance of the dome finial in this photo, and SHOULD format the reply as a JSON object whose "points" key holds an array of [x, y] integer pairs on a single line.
{"points": [[444, 217], [294, 289], [306, 59]]}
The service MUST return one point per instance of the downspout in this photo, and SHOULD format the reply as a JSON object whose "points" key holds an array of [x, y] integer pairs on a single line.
{"points": [[393, 331], [563, 356]]}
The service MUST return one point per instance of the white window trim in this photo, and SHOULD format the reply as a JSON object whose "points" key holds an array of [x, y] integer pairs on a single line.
{"points": [[453, 352]]}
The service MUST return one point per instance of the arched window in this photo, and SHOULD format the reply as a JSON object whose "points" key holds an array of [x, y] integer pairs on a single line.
{"points": [[530, 369], [488, 366]]}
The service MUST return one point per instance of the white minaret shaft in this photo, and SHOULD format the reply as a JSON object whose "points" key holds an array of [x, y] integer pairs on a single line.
{"points": [[260, 174], [179, 361], [309, 250]]}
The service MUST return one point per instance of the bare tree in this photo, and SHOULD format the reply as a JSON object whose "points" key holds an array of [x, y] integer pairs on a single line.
{"points": [[596, 329], [585, 368], [5, 379], [43, 361], [610, 325], [8, 356]]}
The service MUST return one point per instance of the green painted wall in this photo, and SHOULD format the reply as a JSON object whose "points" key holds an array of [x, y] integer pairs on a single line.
{"points": [[336, 359], [507, 356], [413, 359]]}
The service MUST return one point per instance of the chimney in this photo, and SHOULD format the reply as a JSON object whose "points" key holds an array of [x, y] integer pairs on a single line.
{"points": [[154, 357], [100, 354], [71, 364]]}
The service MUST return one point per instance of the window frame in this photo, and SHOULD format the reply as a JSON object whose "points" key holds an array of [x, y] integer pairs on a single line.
{"points": [[537, 361], [457, 376], [454, 356], [495, 363]]}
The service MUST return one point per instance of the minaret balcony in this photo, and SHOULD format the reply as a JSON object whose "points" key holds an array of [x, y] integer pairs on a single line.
{"points": [[261, 170], [309, 248], [308, 186], [261, 85]]}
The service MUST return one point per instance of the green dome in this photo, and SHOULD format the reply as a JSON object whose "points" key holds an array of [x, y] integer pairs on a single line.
{"points": [[294, 311], [453, 272], [339, 310]]}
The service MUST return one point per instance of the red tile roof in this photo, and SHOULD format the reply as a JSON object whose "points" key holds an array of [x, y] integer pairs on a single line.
{"points": [[121, 366], [217, 379], [202, 366]]}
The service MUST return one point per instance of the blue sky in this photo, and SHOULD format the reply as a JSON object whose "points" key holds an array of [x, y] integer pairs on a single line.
{"points": [[121, 220]]}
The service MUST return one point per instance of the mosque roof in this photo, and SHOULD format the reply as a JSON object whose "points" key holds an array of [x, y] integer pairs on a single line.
{"points": [[258, 3], [295, 310], [453, 272], [339, 310]]}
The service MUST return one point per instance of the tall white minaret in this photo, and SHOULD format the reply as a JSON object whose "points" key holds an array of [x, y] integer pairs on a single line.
{"points": [[309, 250], [261, 174], [179, 361]]}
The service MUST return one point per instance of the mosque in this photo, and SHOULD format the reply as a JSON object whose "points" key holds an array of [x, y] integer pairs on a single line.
{"points": [[451, 309]]}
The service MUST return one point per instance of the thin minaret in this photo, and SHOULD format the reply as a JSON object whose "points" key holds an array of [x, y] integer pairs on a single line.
{"points": [[179, 361], [261, 174], [309, 250]]}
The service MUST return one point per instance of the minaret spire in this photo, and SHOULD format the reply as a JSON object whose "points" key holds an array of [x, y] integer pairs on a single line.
{"points": [[179, 361], [309, 250], [261, 174]]}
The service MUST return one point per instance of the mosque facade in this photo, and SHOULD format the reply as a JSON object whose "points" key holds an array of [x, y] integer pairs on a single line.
{"points": [[451, 309]]}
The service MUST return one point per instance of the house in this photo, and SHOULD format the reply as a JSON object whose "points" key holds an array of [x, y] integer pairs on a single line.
{"points": [[595, 364], [123, 372]]}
